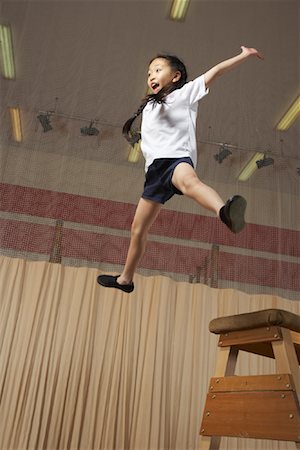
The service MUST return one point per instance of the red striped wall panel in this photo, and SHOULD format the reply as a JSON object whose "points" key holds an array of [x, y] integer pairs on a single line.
{"points": [[93, 211], [174, 258]]}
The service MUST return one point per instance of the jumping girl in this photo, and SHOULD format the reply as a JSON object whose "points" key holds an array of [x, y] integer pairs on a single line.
{"points": [[168, 143]]}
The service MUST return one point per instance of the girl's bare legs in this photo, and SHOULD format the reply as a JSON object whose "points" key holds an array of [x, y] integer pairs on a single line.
{"points": [[187, 181], [231, 213], [145, 215]]}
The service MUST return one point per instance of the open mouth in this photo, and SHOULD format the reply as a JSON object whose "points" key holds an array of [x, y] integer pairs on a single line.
{"points": [[154, 86]]}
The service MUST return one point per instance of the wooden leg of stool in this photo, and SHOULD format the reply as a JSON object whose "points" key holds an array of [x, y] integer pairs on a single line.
{"points": [[210, 443], [287, 361], [286, 358], [226, 363]]}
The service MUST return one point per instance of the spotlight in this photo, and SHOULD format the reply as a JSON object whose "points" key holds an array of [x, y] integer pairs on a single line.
{"points": [[89, 131], [45, 121], [264, 162], [224, 152]]}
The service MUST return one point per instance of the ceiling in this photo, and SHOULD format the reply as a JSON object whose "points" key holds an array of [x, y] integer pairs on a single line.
{"points": [[93, 57]]}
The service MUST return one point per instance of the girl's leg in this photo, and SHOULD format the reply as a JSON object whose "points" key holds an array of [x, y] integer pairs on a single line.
{"points": [[187, 181], [145, 215], [231, 213]]}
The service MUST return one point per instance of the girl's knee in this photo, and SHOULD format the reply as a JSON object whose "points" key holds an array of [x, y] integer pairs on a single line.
{"points": [[189, 183], [138, 231]]}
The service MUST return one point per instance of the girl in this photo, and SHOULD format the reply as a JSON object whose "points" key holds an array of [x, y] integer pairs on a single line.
{"points": [[169, 147]]}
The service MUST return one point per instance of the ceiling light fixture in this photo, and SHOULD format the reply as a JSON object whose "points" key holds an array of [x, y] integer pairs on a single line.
{"points": [[15, 120], [44, 119], [264, 162], [89, 131], [7, 56], [224, 152], [179, 9], [290, 116], [250, 167], [134, 152]]}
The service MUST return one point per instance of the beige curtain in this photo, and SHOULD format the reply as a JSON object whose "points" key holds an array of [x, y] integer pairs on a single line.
{"points": [[83, 367]]}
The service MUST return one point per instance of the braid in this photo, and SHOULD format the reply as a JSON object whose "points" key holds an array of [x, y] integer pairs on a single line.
{"points": [[133, 136], [130, 135]]}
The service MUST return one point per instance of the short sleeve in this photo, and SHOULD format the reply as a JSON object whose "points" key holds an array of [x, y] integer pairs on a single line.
{"points": [[196, 89]]}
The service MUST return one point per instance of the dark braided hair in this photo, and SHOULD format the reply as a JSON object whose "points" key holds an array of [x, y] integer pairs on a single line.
{"points": [[133, 136]]}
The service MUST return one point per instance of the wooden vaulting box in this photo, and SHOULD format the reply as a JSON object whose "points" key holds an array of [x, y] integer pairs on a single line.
{"points": [[259, 406]]}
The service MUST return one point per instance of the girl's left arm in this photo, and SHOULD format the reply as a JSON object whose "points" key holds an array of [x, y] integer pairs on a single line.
{"points": [[229, 64]]}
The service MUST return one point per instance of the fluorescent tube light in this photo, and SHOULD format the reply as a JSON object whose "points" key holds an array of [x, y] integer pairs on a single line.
{"points": [[8, 66], [290, 116], [134, 152], [15, 120], [250, 167], [179, 9]]}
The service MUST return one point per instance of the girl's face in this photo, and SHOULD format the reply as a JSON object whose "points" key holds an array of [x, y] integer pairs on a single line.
{"points": [[160, 74]]}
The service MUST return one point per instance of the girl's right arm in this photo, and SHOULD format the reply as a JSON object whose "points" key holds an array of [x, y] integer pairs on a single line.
{"points": [[229, 64]]}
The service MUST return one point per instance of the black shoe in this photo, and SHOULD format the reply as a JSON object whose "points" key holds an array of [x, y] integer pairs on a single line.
{"points": [[232, 213], [111, 281]]}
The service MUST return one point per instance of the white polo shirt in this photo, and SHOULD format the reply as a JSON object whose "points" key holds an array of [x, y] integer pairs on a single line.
{"points": [[169, 129]]}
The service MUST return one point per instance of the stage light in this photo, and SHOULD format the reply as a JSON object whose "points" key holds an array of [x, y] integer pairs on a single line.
{"points": [[250, 167], [179, 10], [290, 116], [224, 152], [44, 119], [8, 66], [89, 131], [15, 120], [264, 162]]}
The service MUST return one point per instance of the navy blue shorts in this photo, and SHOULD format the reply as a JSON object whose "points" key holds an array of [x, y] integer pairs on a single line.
{"points": [[158, 185]]}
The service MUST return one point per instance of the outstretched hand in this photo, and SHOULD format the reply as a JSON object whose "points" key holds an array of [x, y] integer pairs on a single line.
{"points": [[247, 51]]}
